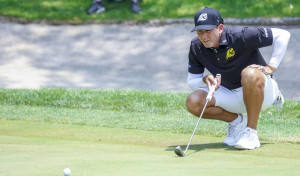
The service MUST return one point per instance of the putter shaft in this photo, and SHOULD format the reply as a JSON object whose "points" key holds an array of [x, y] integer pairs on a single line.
{"points": [[178, 150], [187, 147]]}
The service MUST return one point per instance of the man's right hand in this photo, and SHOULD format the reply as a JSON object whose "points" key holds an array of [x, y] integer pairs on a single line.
{"points": [[209, 80]]}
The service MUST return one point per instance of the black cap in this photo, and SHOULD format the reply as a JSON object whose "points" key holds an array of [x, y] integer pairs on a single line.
{"points": [[207, 19]]}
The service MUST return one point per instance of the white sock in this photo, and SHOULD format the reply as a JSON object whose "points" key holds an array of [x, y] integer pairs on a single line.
{"points": [[237, 120]]}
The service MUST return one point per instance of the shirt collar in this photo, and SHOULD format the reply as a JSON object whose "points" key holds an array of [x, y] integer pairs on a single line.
{"points": [[223, 39]]}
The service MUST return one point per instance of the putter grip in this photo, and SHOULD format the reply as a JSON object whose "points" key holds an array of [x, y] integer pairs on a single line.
{"points": [[213, 88]]}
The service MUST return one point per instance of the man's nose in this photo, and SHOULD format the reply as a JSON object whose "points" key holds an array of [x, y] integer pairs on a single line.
{"points": [[204, 34]]}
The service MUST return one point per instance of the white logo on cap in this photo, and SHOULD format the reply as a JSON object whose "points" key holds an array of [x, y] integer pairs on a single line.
{"points": [[202, 17]]}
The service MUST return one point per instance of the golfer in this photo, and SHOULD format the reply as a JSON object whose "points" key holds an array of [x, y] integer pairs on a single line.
{"points": [[246, 84]]}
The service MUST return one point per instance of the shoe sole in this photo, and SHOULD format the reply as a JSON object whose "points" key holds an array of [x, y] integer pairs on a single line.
{"points": [[230, 144], [100, 10], [237, 146]]}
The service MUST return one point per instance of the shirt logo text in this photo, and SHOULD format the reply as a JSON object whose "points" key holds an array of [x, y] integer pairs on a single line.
{"points": [[266, 32]]}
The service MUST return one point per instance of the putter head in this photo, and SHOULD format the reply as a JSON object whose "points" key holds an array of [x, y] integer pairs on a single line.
{"points": [[179, 151]]}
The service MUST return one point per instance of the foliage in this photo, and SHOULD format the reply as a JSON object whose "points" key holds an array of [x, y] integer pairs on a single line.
{"points": [[75, 10]]}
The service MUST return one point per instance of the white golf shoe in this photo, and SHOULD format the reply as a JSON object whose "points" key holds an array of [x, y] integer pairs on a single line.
{"points": [[234, 130], [248, 140]]}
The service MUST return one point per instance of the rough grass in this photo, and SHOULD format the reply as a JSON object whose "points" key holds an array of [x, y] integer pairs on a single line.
{"points": [[144, 110]]}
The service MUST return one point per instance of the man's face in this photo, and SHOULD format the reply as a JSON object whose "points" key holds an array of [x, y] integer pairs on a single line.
{"points": [[210, 38]]}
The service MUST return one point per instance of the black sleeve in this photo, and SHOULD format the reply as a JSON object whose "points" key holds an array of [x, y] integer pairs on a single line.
{"points": [[257, 37], [195, 66]]}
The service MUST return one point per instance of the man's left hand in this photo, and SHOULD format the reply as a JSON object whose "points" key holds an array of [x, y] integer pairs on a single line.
{"points": [[268, 69]]}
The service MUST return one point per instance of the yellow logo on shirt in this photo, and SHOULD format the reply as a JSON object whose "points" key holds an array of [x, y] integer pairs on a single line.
{"points": [[230, 53]]}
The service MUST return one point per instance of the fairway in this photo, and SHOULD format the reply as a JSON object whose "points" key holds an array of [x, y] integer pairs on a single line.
{"points": [[42, 148]]}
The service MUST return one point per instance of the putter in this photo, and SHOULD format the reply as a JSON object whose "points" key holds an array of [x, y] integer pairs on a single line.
{"points": [[178, 149]]}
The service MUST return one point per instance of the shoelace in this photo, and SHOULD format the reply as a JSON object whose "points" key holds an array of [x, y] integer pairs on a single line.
{"points": [[231, 130], [247, 133]]}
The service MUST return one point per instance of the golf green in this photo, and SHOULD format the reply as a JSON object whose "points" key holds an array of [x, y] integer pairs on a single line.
{"points": [[36, 148]]}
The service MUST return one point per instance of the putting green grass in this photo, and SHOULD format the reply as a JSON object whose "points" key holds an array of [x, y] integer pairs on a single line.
{"points": [[41, 148]]}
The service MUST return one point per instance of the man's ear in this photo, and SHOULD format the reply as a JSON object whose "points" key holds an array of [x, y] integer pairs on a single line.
{"points": [[220, 27]]}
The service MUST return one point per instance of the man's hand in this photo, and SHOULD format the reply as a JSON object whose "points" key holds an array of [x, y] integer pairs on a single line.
{"points": [[209, 80], [268, 70]]}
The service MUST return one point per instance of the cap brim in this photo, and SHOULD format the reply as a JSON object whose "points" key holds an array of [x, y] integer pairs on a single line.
{"points": [[204, 27]]}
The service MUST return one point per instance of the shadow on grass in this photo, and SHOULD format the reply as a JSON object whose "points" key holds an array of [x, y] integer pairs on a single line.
{"points": [[208, 146]]}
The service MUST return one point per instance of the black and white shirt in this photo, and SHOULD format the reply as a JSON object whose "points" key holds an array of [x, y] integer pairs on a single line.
{"points": [[238, 48]]}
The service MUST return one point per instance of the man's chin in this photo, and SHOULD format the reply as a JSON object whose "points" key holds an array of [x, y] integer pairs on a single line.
{"points": [[207, 46]]}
